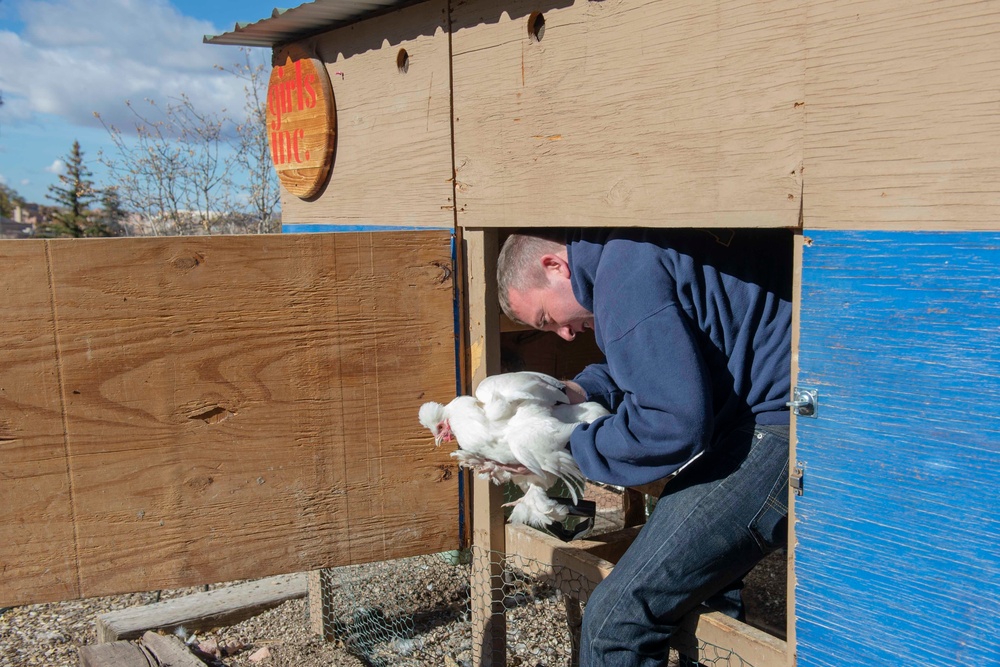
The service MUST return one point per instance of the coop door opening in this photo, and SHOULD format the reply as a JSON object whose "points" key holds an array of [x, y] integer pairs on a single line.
{"points": [[741, 256]]}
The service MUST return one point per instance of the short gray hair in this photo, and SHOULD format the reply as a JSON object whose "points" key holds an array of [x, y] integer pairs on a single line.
{"points": [[517, 265]]}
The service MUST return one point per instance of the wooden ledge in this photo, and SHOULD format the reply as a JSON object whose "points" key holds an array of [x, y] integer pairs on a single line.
{"points": [[593, 559]]}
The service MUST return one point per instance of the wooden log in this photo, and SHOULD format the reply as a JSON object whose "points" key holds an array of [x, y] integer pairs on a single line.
{"points": [[117, 654], [169, 651], [154, 650], [202, 611]]}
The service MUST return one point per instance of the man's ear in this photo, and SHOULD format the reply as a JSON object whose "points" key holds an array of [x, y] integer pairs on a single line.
{"points": [[554, 264]]}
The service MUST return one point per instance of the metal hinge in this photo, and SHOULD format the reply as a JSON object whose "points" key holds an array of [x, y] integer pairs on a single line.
{"points": [[796, 478], [805, 402]]}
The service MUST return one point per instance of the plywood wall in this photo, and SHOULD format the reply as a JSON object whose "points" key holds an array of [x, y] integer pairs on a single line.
{"points": [[634, 113], [392, 160], [881, 115], [188, 410], [902, 113], [866, 114]]}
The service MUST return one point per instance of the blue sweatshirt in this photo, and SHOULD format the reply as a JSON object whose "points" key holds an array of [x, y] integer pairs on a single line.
{"points": [[695, 327]]}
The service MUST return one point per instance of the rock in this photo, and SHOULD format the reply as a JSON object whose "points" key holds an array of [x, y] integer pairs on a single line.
{"points": [[263, 653]]}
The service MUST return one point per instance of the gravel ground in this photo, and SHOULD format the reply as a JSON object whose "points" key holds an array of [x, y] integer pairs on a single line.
{"points": [[424, 621], [49, 634], [408, 612]]}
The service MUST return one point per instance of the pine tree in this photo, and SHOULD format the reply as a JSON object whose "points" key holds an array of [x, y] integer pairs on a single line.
{"points": [[73, 198], [108, 222]]}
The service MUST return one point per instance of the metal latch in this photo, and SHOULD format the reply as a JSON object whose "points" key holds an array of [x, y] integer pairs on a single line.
{"points": [[805, 402], [796, 478]]}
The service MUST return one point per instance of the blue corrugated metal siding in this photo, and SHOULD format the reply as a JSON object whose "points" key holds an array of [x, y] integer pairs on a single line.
{"points": [[898, 556]]}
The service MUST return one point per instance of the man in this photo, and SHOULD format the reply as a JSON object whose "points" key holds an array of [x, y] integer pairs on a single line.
{"points": [[695, 327]]}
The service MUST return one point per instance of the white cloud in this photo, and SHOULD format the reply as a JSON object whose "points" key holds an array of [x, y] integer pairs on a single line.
{"points": [[25, 181], [57, 167], [75, 57], [3, 180]]}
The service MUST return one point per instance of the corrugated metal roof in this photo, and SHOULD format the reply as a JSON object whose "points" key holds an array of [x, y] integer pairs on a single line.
{"points": [[288, 25]]}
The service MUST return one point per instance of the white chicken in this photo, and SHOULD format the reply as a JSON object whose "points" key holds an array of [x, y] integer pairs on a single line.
{"points": [[516, 429]]}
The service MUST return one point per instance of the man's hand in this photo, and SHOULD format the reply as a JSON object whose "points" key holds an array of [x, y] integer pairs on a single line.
{"points": [[574, 392]]}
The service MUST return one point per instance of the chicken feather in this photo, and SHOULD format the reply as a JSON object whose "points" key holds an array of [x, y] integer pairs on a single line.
{"points": [[502, 394], [516, 429]]}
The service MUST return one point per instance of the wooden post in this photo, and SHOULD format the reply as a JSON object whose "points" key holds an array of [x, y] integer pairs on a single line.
{"points": [[574, 619], [633, 508], [320, 608], [790, 549], [489, 624]]}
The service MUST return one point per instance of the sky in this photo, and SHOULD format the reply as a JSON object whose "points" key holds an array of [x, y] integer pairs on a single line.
{"points": [[63, 60]]}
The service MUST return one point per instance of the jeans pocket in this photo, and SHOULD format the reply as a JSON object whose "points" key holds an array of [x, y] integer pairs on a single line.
{"points": [[769, 526]]}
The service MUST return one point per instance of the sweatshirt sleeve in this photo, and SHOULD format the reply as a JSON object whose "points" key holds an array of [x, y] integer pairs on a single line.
{"points": [[661, 402], [599, 386]]}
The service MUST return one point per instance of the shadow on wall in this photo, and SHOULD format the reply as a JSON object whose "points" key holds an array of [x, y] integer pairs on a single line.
{"points": [[424, 19]]}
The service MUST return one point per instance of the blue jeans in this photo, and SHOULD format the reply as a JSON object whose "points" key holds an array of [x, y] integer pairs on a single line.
{"points": [[712, 524]]}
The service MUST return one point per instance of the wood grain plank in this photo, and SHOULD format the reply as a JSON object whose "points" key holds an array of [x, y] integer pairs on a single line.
{"points": [[238, 407], [489, 624], [34, 477], [393, 162], [629, 113], [117, 654], [204, 610], [899, 528], [152, 651], [902, 119], [169, 651], [720, 636]]}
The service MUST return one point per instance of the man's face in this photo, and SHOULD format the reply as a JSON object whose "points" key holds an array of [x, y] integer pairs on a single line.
{"points": [[552, 308]]}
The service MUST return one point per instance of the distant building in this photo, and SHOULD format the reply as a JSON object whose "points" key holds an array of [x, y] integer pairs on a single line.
{"points": [[21, 226]]}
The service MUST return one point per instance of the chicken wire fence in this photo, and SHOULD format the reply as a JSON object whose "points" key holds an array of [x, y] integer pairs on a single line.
{"points": [[420, 611]]}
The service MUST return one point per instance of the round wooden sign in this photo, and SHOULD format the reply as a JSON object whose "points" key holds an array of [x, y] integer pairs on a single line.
{"points": [[301, 122]]}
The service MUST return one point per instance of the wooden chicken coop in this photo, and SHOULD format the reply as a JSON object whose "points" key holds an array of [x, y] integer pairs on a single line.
{"points": [[146, 381]]}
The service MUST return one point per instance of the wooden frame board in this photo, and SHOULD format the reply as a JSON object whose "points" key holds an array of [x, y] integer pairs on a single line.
{"points": [[628, 113], [902, 128], [177, 411], [392, 160]]}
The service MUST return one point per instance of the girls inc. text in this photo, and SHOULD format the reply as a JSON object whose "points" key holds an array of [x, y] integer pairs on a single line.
{"points": [[286, 96]]}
